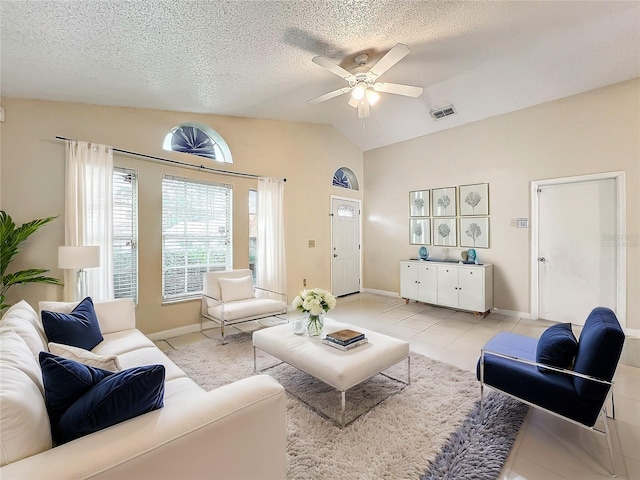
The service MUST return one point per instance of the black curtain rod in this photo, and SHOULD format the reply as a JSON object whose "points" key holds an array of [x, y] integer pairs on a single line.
{"points": [[184, 164]]}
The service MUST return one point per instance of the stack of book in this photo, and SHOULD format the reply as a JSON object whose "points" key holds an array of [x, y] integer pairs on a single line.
{"points": [[345, 339]]}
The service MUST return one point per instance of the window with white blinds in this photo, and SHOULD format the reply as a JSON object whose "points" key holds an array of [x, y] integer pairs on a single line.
{"points": [[125, 233], [196, 234]]}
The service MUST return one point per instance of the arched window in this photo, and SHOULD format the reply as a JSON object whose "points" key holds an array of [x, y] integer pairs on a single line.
{"points": [[345, 178], [198, 139]]}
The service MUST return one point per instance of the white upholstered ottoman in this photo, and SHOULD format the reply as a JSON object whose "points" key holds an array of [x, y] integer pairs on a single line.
{"points": [[339, 369]]}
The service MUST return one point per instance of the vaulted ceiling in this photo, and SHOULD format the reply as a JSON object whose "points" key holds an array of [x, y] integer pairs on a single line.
{"points": [[253, 58]]}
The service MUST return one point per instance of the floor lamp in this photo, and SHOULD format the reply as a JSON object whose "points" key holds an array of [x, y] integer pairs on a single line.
{"points": [[79, 258]]}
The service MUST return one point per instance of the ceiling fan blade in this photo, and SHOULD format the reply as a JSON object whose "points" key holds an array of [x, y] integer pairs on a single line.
{"points": [[333, 68], [329, 95], [406, 90], [353, 102], [392, 57]]}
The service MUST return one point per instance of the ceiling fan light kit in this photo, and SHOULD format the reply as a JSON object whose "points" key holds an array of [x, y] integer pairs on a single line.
{"points": [[359, 91], [372, 96], [364, 87]]}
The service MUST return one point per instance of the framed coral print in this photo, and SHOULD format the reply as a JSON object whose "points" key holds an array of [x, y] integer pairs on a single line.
{"points": [[444, 232], [474, 232], [444, 202], [420, 231], [419, 203], [474, 199]]}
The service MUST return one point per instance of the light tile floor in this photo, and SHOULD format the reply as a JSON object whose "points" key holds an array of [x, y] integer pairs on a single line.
{"points": [[547, 448]]}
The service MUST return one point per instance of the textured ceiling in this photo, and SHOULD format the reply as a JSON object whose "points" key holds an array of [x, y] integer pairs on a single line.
{"points": [[253, 58]]}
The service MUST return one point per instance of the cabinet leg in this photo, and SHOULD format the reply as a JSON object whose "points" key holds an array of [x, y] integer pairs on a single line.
{"points": [[406, 301]]}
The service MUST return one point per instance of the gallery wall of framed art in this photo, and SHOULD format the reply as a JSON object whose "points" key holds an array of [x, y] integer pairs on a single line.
{"points": [[450, 216]]}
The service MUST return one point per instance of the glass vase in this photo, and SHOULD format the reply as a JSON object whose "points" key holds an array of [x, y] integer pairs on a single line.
{"points": [[315, 324]]}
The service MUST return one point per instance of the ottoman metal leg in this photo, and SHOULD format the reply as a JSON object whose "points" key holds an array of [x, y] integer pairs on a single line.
{"points": [[255, 369]]}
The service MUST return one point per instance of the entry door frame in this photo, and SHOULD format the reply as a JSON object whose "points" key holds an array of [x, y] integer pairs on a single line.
{"points": [[359, 202], [621, 230]]}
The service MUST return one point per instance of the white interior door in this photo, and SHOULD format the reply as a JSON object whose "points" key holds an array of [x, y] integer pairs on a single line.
{"points": [[345, 246], [577, 251]]}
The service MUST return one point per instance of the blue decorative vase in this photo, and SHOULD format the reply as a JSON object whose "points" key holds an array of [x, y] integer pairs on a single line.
{"points": [[423, 253], [471, 255]]}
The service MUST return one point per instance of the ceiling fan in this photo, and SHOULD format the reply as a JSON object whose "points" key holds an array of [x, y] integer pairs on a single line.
{"points": [[363, 83]]}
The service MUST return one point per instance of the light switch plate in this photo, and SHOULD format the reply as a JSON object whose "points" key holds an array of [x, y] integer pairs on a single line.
{"points": [[522, 222]]}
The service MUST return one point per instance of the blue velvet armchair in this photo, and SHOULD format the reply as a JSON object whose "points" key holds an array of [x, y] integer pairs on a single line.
{"points": [[565, 377]]}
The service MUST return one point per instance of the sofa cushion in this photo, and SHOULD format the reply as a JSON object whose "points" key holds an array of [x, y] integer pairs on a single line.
{"points": [[151, 356], [23, 414], [113, 315], [16, 354], [233, 289], [82, 399], [23, 320], [557, 347], [119, 343], [110, 362], [79, 328]]}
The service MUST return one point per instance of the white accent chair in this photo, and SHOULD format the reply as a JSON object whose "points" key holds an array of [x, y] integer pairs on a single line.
{"points": [[230, 298]]}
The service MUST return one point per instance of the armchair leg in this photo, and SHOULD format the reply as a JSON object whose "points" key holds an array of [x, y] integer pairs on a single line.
{"points": [[613, 406], [481, 385], [608, 435], [224, 339]]}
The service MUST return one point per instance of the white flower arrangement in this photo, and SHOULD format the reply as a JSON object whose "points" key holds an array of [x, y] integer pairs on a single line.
{"points": [[314, 301]]}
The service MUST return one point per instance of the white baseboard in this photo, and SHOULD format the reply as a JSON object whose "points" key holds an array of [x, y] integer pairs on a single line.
{"points": [[174, 332], [631, 351], [384, 293], [512, 313], [632, 332]]}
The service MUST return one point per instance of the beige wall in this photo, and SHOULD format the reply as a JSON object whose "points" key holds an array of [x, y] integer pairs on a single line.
{"points": [[598, 131], [32, 186]]}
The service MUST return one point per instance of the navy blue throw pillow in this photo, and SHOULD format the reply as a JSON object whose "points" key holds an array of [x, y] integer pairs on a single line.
{"points": [[80, 328], [557, 347], [64, 382], [96, 398]]}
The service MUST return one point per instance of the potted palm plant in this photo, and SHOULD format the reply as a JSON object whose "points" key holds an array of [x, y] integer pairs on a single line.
{"points": [[12, 238]]}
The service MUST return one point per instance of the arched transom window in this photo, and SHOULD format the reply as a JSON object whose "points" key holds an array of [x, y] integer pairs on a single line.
{"points": [[198, 139], [345, 178]]}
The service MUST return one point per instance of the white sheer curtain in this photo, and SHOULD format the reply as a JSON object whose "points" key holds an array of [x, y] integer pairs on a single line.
{"points": [[88, 213], [271, 268]]}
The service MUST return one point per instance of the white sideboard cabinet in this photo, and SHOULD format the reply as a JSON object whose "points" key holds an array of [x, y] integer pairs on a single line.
{"points": [[460, 286]]}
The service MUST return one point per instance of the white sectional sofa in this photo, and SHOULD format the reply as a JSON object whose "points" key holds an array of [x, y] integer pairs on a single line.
{"points": [[234, 432]]}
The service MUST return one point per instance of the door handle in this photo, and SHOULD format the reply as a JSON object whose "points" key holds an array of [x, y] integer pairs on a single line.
{"points": [[542, 259], [335, 255]]}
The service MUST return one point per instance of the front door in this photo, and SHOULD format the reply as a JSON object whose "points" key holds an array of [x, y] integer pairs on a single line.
{"points": [[345, 246]]}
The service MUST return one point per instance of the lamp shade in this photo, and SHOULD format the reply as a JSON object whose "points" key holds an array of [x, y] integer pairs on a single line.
{"points": [[78, 257]]}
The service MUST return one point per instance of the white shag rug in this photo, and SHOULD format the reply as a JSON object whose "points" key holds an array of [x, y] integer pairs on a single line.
{"points": [[397, 439]]}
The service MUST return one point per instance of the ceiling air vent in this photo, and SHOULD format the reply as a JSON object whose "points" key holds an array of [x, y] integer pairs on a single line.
{"points": [[442, 112]]}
